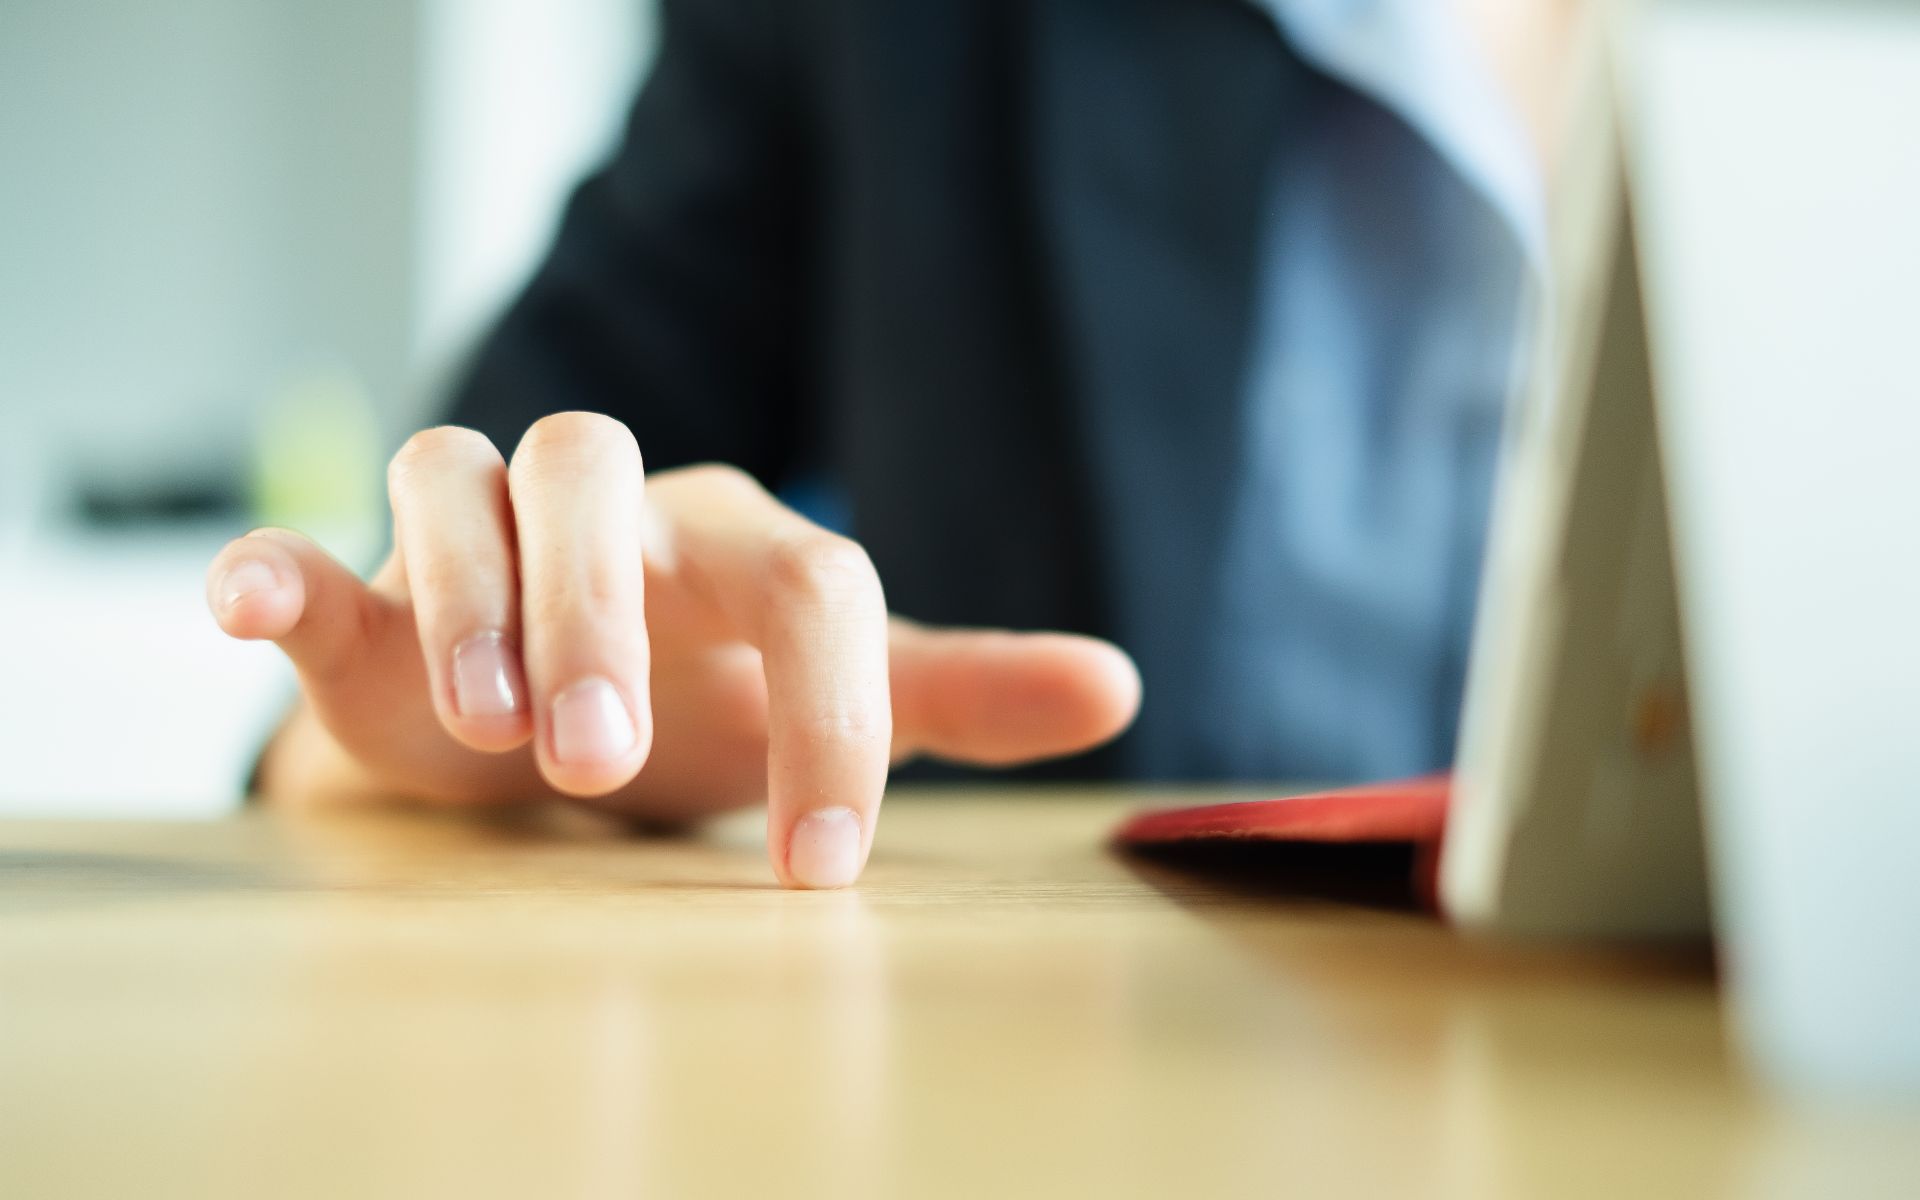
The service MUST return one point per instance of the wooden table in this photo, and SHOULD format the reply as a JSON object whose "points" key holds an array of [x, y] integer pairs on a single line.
{"points": [[421, 1005]]}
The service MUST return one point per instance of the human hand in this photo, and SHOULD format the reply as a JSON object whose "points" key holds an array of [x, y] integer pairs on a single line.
{"points": [[665, 647]]}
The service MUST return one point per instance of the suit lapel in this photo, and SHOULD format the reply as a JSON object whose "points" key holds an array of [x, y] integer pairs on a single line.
{"points": [[1156, 128]]}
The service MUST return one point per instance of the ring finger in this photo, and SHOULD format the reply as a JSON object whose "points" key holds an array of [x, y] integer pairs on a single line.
{"points": [[454, 532]]}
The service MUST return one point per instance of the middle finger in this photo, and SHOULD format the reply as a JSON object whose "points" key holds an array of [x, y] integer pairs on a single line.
{"points": [[576, 484]]}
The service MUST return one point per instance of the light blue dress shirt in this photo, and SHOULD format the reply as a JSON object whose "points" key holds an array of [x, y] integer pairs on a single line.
{"points": [[1404, 234]]}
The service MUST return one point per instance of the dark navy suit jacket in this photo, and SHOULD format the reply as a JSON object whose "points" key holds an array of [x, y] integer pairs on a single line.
{"points": [[989, 266]]}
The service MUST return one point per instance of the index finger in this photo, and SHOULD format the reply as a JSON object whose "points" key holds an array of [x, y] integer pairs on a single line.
{"points": [[811, 602]]}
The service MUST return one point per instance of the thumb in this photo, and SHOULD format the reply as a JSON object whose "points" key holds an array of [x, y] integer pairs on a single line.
{"points": [[275, 585], [362, 675], [995, 698]]}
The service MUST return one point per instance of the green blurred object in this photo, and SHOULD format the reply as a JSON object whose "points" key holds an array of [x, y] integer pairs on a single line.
{"points": [[317, 462]]}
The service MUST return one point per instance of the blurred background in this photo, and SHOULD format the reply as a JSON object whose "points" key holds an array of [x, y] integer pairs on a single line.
{"points": [[242, 245]]}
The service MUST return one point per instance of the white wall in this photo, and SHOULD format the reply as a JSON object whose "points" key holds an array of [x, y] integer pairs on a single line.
{"points": [[194, 196], [517, 98], [202, 197]]}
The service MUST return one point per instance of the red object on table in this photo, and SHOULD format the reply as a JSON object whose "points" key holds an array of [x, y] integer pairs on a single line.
{"points": [[1412, 812]]}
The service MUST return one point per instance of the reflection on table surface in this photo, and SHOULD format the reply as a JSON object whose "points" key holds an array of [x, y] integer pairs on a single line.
{"points": [[427, 1004]]}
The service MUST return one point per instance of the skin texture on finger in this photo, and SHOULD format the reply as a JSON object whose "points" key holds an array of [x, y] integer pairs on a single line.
{"points": [[362, 677], [274, 584], [454, 534], [811, 603], [752, 604], [709, 750], [576, 487], [983, 697], [995, 698]]}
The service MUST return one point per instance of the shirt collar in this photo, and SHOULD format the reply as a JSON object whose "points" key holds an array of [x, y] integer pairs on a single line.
{"points": [[1415, 59]]}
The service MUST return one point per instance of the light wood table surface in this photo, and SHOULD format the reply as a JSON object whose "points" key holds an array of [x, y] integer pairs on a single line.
{"points": [[421, 1005]]}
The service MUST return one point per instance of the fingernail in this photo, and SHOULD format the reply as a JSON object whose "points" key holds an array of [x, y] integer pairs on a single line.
{"points": [[591, 723], [825, 849], [486, 679], [244, 578]]}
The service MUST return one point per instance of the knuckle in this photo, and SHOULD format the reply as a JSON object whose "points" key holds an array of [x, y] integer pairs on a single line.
{"points": [[436, 448], [558, 613], [609, 589], [546, 610], [599, 597], [821, 567], [705, 484], [571, 438], [450, 583], [852, 726], [722, 477]]}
